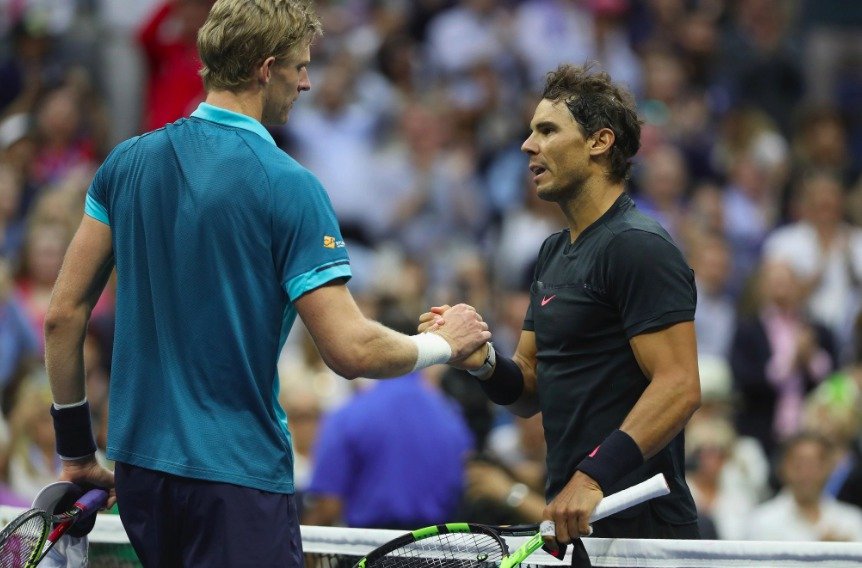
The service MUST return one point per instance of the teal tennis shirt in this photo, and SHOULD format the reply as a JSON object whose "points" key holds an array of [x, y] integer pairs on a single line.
{"points": [[216, 232]]}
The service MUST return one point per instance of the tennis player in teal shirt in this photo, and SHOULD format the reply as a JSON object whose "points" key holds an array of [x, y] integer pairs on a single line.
{"points": [[219, 240]]}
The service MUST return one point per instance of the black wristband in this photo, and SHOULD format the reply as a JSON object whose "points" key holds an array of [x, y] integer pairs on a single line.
{"points": [[505, 384], [73, 431], [617, 456]]}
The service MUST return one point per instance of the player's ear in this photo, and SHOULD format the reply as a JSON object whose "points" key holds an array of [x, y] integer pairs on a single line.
{"points": [[601, 140], [264, 70]]}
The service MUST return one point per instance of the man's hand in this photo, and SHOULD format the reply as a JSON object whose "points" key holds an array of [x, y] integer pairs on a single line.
{"points": [[87, 471], [572, 507], [463, 329], [433, 320]]}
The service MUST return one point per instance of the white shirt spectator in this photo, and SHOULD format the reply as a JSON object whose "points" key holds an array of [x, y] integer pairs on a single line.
{"points": [[780, 519], [715, 323], [551, 32], [462, 37], [835, 301]]}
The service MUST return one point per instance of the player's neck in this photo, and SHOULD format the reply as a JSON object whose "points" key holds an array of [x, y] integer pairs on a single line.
{"points": [[244, 102], [588, 205]]}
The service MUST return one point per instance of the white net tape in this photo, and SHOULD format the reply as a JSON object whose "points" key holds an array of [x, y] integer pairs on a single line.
{"points": [[619, 553], [629, 553]]}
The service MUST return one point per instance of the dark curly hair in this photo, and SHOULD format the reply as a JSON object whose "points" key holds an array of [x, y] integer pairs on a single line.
{"points": [[595, 103]]}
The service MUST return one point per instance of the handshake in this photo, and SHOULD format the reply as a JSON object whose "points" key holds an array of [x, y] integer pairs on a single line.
{"points": [[463, 329]]}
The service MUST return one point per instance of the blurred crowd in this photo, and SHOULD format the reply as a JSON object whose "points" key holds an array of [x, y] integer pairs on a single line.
{"points": [[751, 158]]}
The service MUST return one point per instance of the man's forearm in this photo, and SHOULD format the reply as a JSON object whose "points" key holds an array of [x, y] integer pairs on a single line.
{"points": [[64, 356], [374, 351], [661, 413]]}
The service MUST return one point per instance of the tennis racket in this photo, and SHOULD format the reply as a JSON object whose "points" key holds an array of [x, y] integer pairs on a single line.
{"points": [[468, 545], [22, 542]]}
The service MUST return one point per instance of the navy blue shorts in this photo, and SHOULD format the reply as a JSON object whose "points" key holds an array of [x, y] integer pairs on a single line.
{"points": [[176, 522]]}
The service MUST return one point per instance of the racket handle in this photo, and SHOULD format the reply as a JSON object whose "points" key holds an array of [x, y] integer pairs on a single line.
{"points": [[655, 486], [92, 501]]}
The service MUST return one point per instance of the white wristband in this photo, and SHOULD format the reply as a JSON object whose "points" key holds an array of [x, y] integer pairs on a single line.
{"points": [[432, 350], [70, 405]]}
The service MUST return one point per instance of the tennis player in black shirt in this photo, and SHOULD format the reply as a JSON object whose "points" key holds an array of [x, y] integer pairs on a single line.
{"points": [[607, 352]]}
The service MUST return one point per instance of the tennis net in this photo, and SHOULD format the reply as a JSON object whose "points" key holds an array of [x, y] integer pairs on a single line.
{"points": [[336, 547]]}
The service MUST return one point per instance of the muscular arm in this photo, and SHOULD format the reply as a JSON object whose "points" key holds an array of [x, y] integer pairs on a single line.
{"points": [[86, 268], [354, 346], [668, 358]]}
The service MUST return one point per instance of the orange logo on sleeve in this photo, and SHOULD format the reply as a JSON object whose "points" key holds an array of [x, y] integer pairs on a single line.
{"points": [[329, 242]]}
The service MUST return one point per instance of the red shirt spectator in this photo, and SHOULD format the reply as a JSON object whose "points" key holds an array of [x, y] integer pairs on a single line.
{"points": [[174, 87]]}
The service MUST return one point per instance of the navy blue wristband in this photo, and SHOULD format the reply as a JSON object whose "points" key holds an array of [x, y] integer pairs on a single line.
{"points": [[617, 456], [505, 384], [73, 431]]}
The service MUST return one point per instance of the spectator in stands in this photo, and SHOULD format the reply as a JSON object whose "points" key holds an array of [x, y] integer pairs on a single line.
{"points": [[520, 446], [716, 312], [833, 410], [61, 143], [11, 224], [663, 182], [801, 512], [44, 247], [761, 61], [19, 343], [504, 478], [553, 32], [710, 475], [494, 494], [34, 63], [753, 156], [826, 253], [726, 472], [33, 460], [522, 230], [303, 407], [341, 157], [17, 148], [429, 188], [300, 369], [820, 143], [174, 87], [777, 356]]}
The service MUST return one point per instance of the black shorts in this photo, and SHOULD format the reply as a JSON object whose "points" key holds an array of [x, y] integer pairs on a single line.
{"points": [[176, 521]]}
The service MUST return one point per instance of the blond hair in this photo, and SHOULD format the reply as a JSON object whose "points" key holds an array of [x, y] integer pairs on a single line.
{"points": [[240, 34]]}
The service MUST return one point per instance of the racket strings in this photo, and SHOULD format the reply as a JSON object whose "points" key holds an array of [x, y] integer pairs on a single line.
{"points": [[23, 543], [451, 550]]}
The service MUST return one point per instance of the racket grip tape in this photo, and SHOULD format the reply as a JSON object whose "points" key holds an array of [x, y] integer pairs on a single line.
{"points": [[92, 501]]}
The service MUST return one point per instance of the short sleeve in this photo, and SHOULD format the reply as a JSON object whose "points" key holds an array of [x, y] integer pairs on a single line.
{"points": [[649, 281], [96, 202], [308, 248]]}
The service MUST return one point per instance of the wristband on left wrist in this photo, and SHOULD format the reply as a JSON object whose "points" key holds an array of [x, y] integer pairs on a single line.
{"points": [[617, 456]]}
